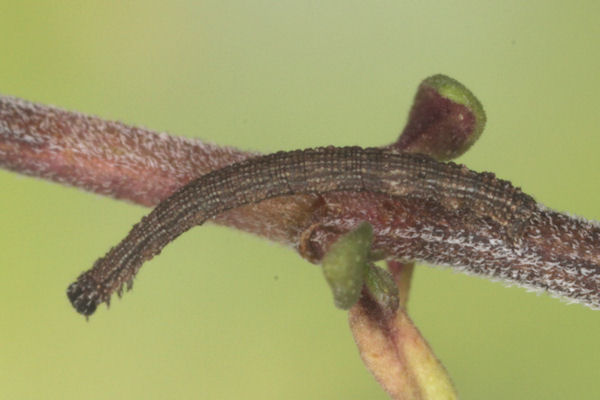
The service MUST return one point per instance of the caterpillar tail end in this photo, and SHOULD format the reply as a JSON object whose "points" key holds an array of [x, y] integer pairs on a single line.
{"points": [[84, 295]]}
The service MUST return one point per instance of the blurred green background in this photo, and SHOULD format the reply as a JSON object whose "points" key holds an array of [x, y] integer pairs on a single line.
{"points": [[222, 314]]}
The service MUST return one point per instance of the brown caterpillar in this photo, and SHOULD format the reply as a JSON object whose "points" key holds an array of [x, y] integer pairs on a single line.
{"points": [[320, 170]]}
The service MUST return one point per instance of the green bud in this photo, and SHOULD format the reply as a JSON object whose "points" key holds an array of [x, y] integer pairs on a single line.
{"points": [[346, 264]]}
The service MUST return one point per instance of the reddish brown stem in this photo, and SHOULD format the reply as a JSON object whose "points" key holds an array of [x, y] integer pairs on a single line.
{"points": [[142, 166]]}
